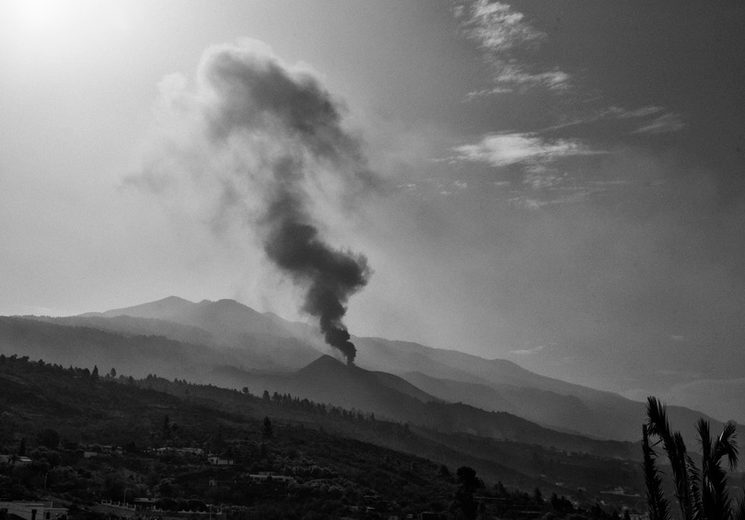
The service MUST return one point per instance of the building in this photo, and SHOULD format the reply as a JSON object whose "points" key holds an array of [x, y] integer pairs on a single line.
{"points": [[117, 509], [268, 476], [220, 461], [34, 510], [15, 460]]}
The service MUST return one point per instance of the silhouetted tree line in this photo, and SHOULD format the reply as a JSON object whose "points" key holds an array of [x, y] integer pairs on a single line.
{"points": [[304, 404], [154, 382], [473, 499], [40, 366]]}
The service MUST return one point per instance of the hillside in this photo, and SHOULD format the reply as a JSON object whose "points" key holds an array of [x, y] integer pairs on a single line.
{"points": [[236, 338], [546, 400], [226, 320], [327, 380], [331, 474], [86, 409], [132, 345], [324, 380], [552, 402]]}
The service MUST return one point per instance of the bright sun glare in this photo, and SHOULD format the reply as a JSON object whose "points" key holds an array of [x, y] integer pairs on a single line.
{"points": [[56, 27], [40, 16]]}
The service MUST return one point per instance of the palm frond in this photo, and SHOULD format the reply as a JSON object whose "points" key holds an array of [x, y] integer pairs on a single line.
{"points": [[694, 483], [739, 513], [704, 438], [675, 449], [715, 498], [701, 494], [726, 445], [657, 423], [659, 507], [679, 464]]}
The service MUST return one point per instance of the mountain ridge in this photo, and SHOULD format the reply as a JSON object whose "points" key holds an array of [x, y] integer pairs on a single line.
{"points": [[606, 414], [234, 335]]}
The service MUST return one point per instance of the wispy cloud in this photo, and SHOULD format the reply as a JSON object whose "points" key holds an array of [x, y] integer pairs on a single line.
{"points": [[509, 42], [510, 75], [541, 181], [663, 124], [528, 351], [548, 165], [500, 28], [645, 119], [513, 48], [504, 149], [646, 111]]}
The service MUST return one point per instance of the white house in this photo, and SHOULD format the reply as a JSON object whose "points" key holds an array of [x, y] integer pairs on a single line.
{"points": [[34, 510]]}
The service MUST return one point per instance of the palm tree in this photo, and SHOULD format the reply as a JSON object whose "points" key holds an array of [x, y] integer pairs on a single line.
{"points": [[702, 494], [659, 508], [715, 500]]}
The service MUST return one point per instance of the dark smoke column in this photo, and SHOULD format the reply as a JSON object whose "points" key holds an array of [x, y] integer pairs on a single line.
{"points": [[261, 139], [331, 276], [260, 99]]}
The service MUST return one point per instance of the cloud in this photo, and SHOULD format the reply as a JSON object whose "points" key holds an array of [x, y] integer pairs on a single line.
{"points": [[510, 75], [663, 124], [500, 28], [528, 351], [645, 111], [509, 43], [514, 49], [644, 119], [504, 149], [537, 171], [555, 79]]}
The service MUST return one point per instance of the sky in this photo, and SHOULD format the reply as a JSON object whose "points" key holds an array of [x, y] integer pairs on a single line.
{"points": [[557, 183]]}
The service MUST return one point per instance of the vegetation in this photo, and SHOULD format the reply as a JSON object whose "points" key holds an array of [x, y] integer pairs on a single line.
{"points": [[702, 492], [115, 438]]}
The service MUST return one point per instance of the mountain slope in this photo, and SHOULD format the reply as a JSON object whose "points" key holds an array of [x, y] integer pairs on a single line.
{"points": [[227, 320], [573, 407], [82, 408], [327, 380], [273, 343], [255, 341], [135, 354], [540, 406]]}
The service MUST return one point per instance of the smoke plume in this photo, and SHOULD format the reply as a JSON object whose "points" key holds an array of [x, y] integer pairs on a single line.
{"points": [[267, 135], [331, 276]]}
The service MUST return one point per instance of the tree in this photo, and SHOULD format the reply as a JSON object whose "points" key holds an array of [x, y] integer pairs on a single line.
{"points": [[469, 482], [48, 438], [659, 508], [267, 431], [166, 427], [701, 493], [112, 374], [94, 374]]}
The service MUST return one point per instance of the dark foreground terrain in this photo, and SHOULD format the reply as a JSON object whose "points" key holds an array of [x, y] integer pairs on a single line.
{"points": [[83, 438]]}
